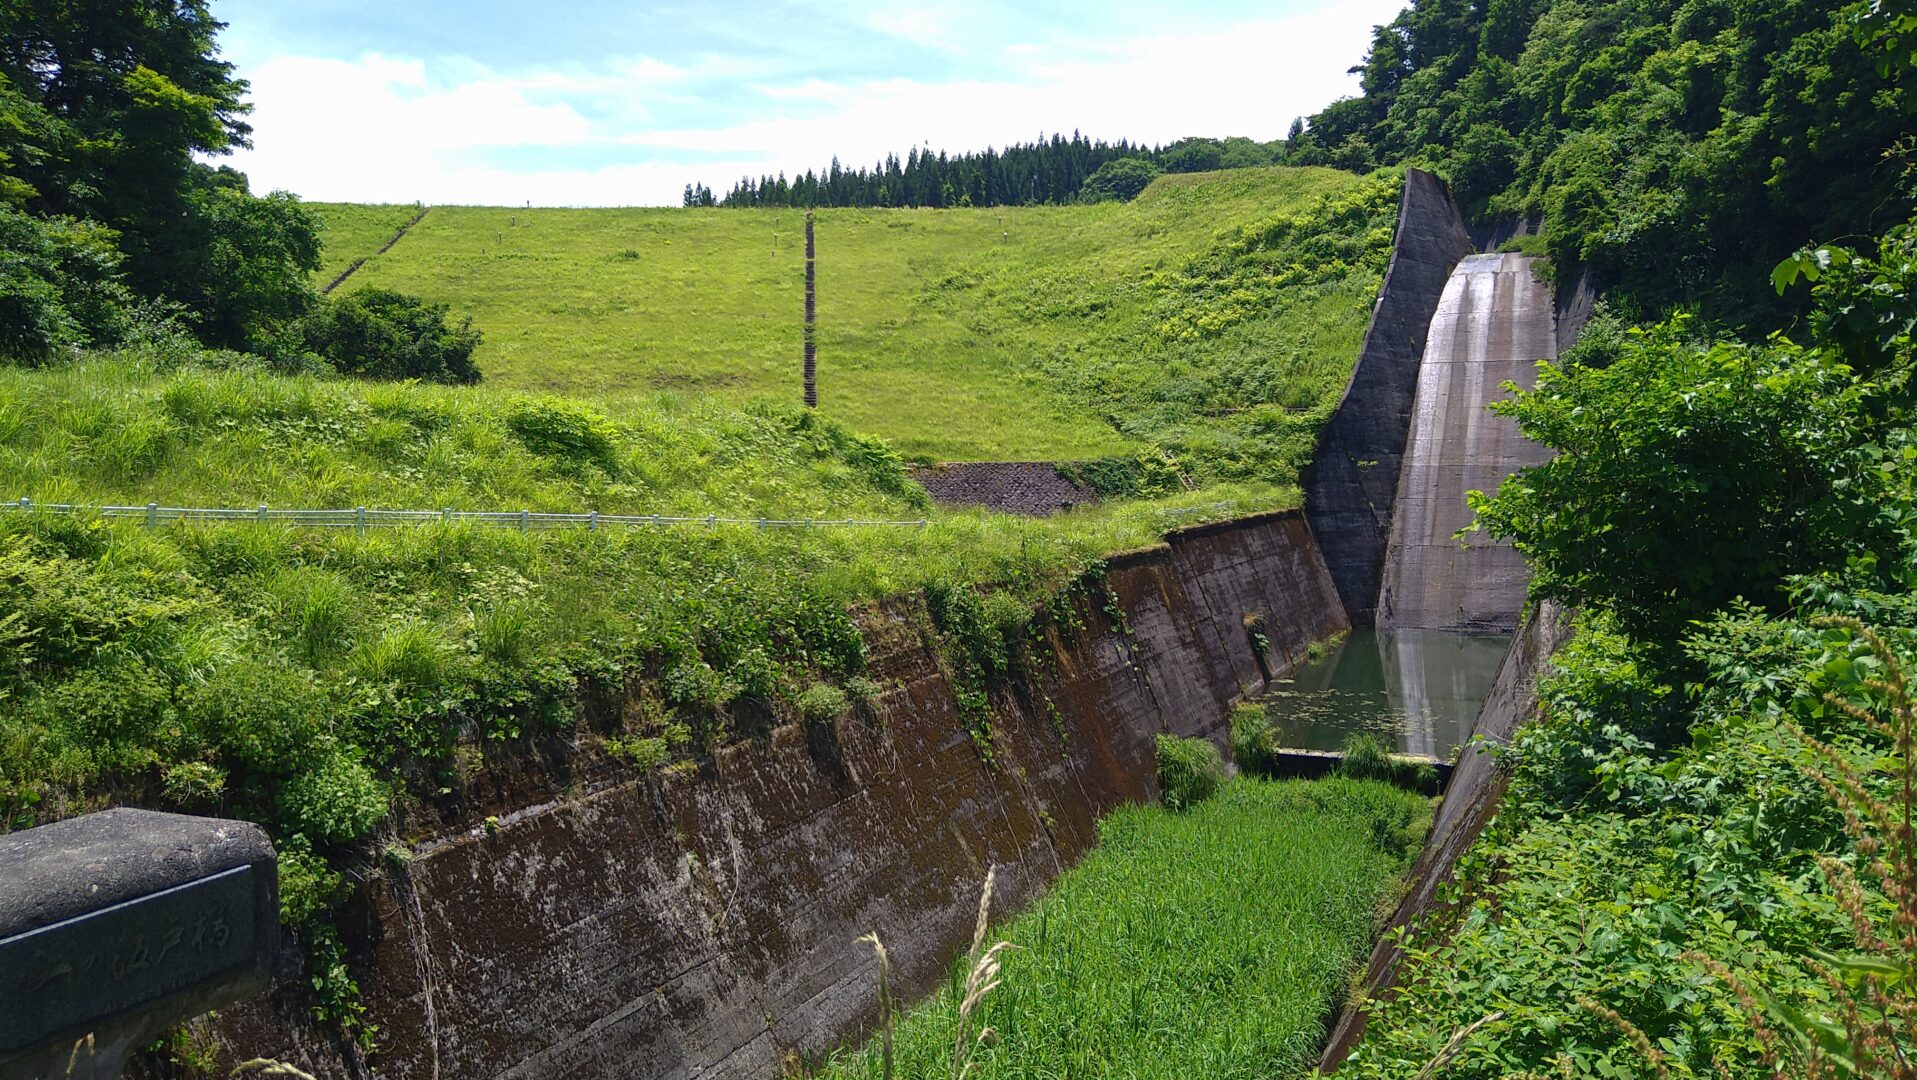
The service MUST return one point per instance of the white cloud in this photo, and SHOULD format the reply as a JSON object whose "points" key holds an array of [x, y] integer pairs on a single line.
{"points": [[396, 129], [930, 26]]}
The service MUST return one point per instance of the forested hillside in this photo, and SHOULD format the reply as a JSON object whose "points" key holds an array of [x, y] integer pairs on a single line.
{"points": [[1704, 863], [1680, 149]]}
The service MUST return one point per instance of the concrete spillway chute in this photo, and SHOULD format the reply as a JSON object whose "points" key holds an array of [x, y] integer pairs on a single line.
{"points": [[1496, 319]]}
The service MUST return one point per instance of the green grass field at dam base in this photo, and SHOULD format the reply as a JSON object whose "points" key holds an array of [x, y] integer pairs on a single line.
{"points": [[1204, 943], [1004, 333]]}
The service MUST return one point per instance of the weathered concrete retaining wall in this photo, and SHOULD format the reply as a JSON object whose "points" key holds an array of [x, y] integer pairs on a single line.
{"points": [[703, 925], [1033, 488], [1470, 799], [1351, 484]]}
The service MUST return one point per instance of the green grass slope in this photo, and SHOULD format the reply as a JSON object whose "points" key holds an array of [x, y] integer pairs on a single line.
{"points": [[355, 231], [1226, 301], [132, 661]]}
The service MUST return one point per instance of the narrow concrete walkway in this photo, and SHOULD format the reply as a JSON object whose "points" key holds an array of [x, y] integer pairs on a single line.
{"points": [[1494, 322]]}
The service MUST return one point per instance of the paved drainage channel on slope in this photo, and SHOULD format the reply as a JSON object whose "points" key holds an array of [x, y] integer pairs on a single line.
{"points": [[1418, 690]]}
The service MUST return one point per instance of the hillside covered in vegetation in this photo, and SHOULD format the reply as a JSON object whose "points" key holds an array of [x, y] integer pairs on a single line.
{"points": [[1679, 148], [1213, 318], [1704, 862]]}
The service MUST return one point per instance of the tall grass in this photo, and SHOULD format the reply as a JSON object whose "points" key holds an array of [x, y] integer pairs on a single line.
{"points": [[1209, 943]]}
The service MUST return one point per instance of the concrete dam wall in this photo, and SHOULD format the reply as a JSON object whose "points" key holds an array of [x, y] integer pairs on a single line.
{"points": [[1495, 321], [610, 923], [1351, 483]]}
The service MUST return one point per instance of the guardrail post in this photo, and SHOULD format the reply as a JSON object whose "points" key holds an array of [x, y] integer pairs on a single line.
{"points": [[523, 515], [921, 523], [26, 503], [592, 522], [712, 521], [446, 514], [152, 514], [359, 520], [655, 521], [262, 513], [761, 523]]}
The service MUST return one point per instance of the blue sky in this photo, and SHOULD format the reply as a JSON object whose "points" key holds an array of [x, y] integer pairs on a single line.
{"points": [[600, 103]]}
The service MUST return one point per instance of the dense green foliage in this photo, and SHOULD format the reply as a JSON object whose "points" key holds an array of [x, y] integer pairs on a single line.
{"points": [[381, 334], [105, 114], [1050, 171], [1668, 826], [1119, 178], [1195, 944], [1215, 316], [1677, 147]]}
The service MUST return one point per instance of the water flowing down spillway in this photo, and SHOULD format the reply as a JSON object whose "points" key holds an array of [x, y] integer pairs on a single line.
{"points": [[1496, 319]]}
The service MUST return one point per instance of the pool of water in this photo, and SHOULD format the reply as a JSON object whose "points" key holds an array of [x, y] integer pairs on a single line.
{"points": [[1419, 689]]}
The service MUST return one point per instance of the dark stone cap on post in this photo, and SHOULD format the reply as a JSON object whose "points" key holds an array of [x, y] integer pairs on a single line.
{"points": [[123, 924]]}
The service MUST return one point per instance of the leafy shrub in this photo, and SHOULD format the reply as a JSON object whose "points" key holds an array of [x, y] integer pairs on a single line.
{"points": [[59, 286], [1690, 474], [336, 799], [309, 888], [381, 334], [821, 704], [863, 690], [642, 753], [1254, 739], [1189, 770], [570, 435], [1120, 179]]}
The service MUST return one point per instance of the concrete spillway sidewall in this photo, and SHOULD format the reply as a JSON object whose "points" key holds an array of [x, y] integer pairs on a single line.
{"points": [[584, 920], [1351, 482], [1470, 800]]}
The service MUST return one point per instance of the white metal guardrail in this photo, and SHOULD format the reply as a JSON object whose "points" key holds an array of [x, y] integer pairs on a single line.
{"points": [[361, 518]]}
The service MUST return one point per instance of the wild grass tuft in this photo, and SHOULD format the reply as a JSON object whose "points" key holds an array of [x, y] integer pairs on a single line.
{"points": [[1189, 770], [1366, 757], [1254, 739]]}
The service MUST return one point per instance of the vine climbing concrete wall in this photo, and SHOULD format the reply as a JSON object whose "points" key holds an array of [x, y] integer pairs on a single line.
{"points": [[613, 924], [1351, 483]]}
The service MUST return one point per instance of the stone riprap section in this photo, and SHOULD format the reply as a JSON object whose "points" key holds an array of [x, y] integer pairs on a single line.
{"points": [[1032, 488], [1351, 483], [1496, 320], [617, 924], [116, 927]]}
